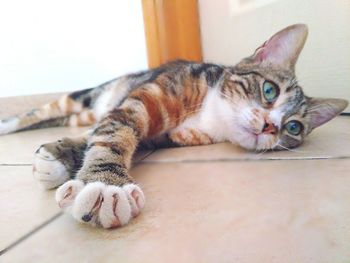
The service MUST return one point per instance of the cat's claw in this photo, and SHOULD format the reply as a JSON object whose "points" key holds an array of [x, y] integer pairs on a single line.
{"points": [[66, 194], [99, 204], [47, 170]]}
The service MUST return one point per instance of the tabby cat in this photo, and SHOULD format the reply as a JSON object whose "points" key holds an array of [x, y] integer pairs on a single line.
{"points": [[257, 104]]}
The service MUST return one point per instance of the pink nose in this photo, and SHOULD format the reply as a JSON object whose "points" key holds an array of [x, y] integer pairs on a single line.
{"points": [[269, 128]]}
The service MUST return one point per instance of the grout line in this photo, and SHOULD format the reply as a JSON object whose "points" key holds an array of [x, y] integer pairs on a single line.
{"points": [[16, 164], [21, 239], [244, 160], [30, 164]]}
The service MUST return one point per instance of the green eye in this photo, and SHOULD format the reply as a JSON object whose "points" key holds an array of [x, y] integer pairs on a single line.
{"points": [[294, 127], [270, 91]]}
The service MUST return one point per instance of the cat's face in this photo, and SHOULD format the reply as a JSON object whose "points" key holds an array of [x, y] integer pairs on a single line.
{"points": [[270, 108]]}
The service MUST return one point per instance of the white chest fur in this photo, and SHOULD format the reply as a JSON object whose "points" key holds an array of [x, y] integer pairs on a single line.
{"points": [[212, 119]]}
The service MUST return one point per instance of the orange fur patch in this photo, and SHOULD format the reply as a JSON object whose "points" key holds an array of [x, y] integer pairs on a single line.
{"points": [[151, 103]]}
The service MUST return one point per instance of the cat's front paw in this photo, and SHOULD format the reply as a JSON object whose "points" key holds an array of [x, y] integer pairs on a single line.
{"points": [[99, 204], [48, 170], [56, 162]]}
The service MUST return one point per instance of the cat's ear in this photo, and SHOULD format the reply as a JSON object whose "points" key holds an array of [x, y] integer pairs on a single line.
{"points": [[323, 110], [283, 48]]}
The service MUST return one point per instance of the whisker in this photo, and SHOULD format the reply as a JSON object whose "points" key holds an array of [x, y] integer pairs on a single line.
{"points": [[288, 149]]}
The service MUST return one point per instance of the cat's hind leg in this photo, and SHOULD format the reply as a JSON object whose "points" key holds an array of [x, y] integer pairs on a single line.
{"points": [[57, 162]]}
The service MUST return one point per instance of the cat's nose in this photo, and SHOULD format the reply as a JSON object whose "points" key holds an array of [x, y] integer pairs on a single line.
{"points": [[269, 128]]}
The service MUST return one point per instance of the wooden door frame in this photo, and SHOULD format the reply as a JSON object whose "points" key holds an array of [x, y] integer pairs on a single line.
{"points": [[172, 30]]}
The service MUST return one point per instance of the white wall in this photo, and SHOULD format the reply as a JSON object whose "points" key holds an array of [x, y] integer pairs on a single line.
{"points": [[233, 29], [50, 46]]}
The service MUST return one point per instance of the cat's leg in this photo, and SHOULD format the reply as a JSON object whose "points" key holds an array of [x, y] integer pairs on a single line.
{"points": [[103, 192], [189, 137], [57, 162]]}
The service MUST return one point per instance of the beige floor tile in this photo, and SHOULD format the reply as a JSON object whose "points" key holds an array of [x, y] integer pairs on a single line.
{"points": [[331, 140], [257, 211], [14, 105], [23, 204]]}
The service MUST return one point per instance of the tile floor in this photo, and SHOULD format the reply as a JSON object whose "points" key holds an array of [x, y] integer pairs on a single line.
{"points": [[214, 203]]}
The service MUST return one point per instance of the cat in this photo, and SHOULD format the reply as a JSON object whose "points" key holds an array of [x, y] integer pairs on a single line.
{"points": [[257, 104]]}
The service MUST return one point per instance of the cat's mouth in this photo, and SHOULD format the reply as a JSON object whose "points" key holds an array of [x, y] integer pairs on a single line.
{"points": [[248, 139], [255, 140]]}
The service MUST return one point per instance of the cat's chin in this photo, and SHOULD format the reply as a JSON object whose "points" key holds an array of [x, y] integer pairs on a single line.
{"points": [[253, 142], [246, 141], [265, 142]]}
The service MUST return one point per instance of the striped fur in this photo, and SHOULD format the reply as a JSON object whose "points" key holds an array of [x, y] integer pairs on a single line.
{"points": [[180, 104]]}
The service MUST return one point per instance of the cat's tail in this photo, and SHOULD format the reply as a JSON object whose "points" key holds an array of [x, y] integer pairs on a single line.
{"points": [[74, 109]]}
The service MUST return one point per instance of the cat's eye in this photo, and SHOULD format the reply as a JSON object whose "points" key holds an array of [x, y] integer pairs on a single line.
{"points": [[294, 127], [270, 91]]}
